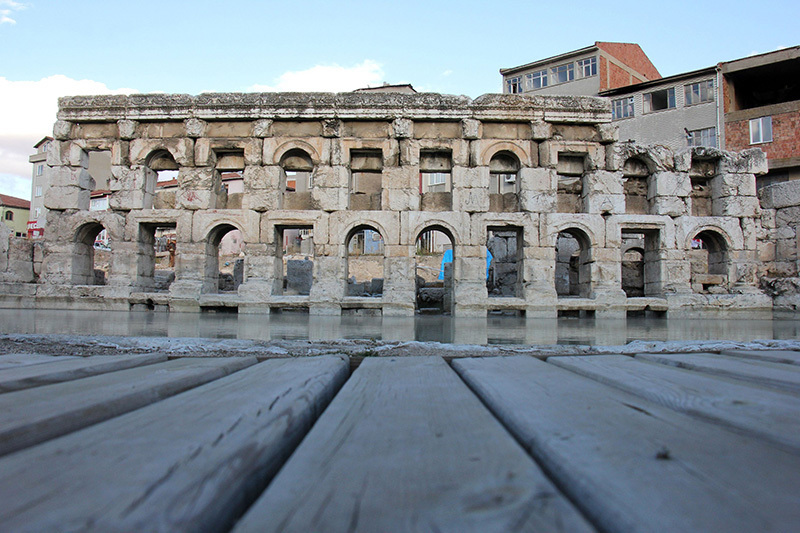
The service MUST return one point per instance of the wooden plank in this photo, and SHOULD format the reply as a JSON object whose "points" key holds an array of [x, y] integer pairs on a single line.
{"points": [[31, 416], [767, 414], [192, 462], [28, 376], [632, 465], [788, 357], [772, 375], [405, 446], [16, 360]]}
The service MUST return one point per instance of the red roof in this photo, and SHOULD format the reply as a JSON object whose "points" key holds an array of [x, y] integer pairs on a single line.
{"points": [[10, 201]]}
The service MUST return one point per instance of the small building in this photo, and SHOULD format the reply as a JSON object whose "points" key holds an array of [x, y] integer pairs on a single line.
{"points": [[762, 109], [39, 182], [583, 72], [14, 214]]}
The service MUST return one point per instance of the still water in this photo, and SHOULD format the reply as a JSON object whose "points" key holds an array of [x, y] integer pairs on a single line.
{"points": [[298, 326]]}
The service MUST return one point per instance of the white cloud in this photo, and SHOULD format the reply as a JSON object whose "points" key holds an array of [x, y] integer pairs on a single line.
{"points": [[327, 78], [29, 110], [10, 6]]}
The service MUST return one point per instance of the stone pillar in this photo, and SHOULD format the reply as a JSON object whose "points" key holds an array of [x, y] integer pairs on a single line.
{"points": [[603, 192], [538, 189], [399, 288], [190, 267], [668, 193], [538, 287], [469, 287], [259, 269]]}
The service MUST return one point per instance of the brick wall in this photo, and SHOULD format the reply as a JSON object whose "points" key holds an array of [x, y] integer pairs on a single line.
{"points": [[785, 128], [633, 56]]}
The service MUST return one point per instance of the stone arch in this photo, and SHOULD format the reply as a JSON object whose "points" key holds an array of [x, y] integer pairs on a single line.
{"points": [[368, 223], [445, 227], [633, 271], [364, 261], [727, 239], [576, 226], [296, 178], [211, 274], [522, 155], [710, 260], [434, 269], [504, 182], [84, 269], [152, 150], [573, 272], [295, 144]]}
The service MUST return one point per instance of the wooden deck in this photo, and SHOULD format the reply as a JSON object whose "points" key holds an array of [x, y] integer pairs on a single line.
{"points": [[656, 442]]}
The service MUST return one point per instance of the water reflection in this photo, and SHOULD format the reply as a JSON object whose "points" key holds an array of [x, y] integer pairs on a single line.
{"points": [[299, 326]]}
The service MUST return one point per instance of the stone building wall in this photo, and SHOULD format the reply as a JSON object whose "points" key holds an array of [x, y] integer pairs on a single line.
{"points": [[779, 243], [336, 168]]}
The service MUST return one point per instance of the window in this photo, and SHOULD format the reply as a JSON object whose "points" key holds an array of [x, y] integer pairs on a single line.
{"points": [[514, 85], [436, 178], [39, 170], [563, 73], [588, 67], [537, 80], [659, 100], [761, 130], [697, 93], [38, 212], [704, 137], [38, 191], [9, 215], [622, 108]]}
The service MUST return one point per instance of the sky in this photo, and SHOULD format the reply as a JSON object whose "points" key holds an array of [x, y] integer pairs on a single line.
{"points": [[67, 47]]}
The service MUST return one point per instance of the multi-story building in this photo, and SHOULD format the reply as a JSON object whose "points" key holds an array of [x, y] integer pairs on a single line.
{"points": [[38, 213], [677, 111], [583, 72], [14, 213], [762, 109]]}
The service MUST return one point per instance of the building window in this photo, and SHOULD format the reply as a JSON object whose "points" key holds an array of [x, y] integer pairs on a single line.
{"points": [[514, 85], [537, 80], [38, 212], [761, 130], [659, 100], [622, 108], [39, 170], [563, 73], [588, 67], [436, 178], [700, 92], [9, 215], [704, 137], [38, 190]]}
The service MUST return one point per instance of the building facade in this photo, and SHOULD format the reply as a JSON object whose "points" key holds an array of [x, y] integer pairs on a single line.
{"points": [[544, 211], [38, 213], [583, 72]]}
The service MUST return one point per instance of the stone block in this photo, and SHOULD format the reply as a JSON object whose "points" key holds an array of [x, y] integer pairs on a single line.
{"points": [[400, 178], [541, 130], [62, 130], [195, 127], [330, 198], [538, 201], [66, 197], [470, 128], [603, 203], [401, 199], [608, 132], [131, 178], [470, 200], [537, 179], [735, 206], [189, 198], [733, 185], [127, 128], [258, 178], [471, 177], [127, 199], [403, 128], [667, 184], [751, 161], [780, 195], [331, 177], [332, 127], [602, 182], [262, 128], [196, 178], [181, 149], [58, 154]]}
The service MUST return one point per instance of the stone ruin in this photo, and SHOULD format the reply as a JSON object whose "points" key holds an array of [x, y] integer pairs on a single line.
{"points": [[347, 203]]}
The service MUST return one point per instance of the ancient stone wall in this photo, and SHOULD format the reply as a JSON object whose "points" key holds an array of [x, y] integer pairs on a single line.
{"points": [[779, 243], [342, 180]]}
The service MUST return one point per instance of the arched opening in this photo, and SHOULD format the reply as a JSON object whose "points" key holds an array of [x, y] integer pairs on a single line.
{"points": [[294, 273], [365, 255], [91, 256], [504, 183], [434, 271], [634, 176], [366, 187], [708, 257], [641, 265], [157, 252], [573, 264], [504, 262], [224, 269], [164, 166], [296, 179]]}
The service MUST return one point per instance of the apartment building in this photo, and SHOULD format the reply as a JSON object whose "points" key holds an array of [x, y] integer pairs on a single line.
{"points": [[38, 213], [14, 214], [762, 109], [584, 72]]}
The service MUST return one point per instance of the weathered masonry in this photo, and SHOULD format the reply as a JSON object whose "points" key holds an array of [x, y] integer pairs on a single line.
{"points": [[541, 209]]}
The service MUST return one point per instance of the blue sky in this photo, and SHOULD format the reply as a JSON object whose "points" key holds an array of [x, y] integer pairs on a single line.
{"points": [[52, 48]]}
